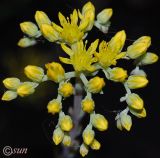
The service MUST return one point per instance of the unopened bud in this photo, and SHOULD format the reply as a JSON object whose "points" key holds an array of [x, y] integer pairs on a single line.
{"points": [[34, 73], [9, 95], [99, 122], [26, 42], [95, 85], [66, 123], [55, 71], [42, 18], [11, 83], [95, 145], [135, 81], [58, 136], [84, 150], [26, 89], [117, 74], [29, 28], [54, 106], [66, 140], [104, 16], [134, 101], [88, 135], [66, 89]]}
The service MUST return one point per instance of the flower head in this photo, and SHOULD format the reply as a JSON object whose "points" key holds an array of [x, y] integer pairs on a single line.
{"points": [[111, 51], [58, 136], [9, 95], [54, 106], [80, 57], [95, 145]]}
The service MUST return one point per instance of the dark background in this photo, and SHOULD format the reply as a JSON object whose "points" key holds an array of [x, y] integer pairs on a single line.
{"points": [[24, 122]]}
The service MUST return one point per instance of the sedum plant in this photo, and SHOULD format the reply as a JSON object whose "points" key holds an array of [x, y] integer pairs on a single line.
{"points": [[87, 59]]}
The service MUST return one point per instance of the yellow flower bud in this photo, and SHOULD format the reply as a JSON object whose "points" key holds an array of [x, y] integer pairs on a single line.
{"points": [[104, 16], [49, 32], [29, 28], [34, 73], [135, 102], [139, 114], [99, 122], [95, 145], [87, 105], [95, 85], [55, 72], [117, 42], [84, 150], [144, 39], [54, 106], [88, 16], [11, 83], [9, 95], [42, 18], [67, 140], [66, 123], [136, 81], [58, 136], [126, 121], [139, 47], [66, 89], [26, 88], [117, 74], [88, 135], [119, 124], [26, 42], [148, 58]]}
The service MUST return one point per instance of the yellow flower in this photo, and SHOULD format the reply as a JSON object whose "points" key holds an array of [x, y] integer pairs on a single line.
{"points": [[139, 47], [84, 150], [126, 121], [29, 28], [66, 89], [111, 51], [88, 135], [26, 42], [42, 18], [80, 58], [11, 83], [54, 106], [70, 32], [34, 73], [66, 123], [99, 122], [55, 71], [87, 105], [87, 16], [95, 85], [146, 59], [117, 74], [58, 136], [139, 114], [134, 101], [66, 140], [136, 81], [26, 89], [9, 95], [49, 33], [104, 16], [95, 145]]}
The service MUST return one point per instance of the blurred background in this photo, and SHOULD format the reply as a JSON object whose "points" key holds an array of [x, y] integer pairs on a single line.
{"points": [[24, 122]]}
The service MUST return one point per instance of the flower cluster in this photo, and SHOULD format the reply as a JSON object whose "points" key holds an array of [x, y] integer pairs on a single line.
{"points": [[87, 61]]}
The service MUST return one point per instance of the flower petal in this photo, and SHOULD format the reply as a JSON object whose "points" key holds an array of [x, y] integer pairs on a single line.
{"points": [[62, 19], [93, 47], [65, 60], [56, 27], [74, 17], [67, 50]]}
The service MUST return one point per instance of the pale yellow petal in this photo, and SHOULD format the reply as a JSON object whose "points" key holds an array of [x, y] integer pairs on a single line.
{"points": [[66, 49], [62, 19], [65, 60]]}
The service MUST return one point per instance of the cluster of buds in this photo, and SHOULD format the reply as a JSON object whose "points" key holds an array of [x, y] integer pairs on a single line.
{"points": [[86, 62]]}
